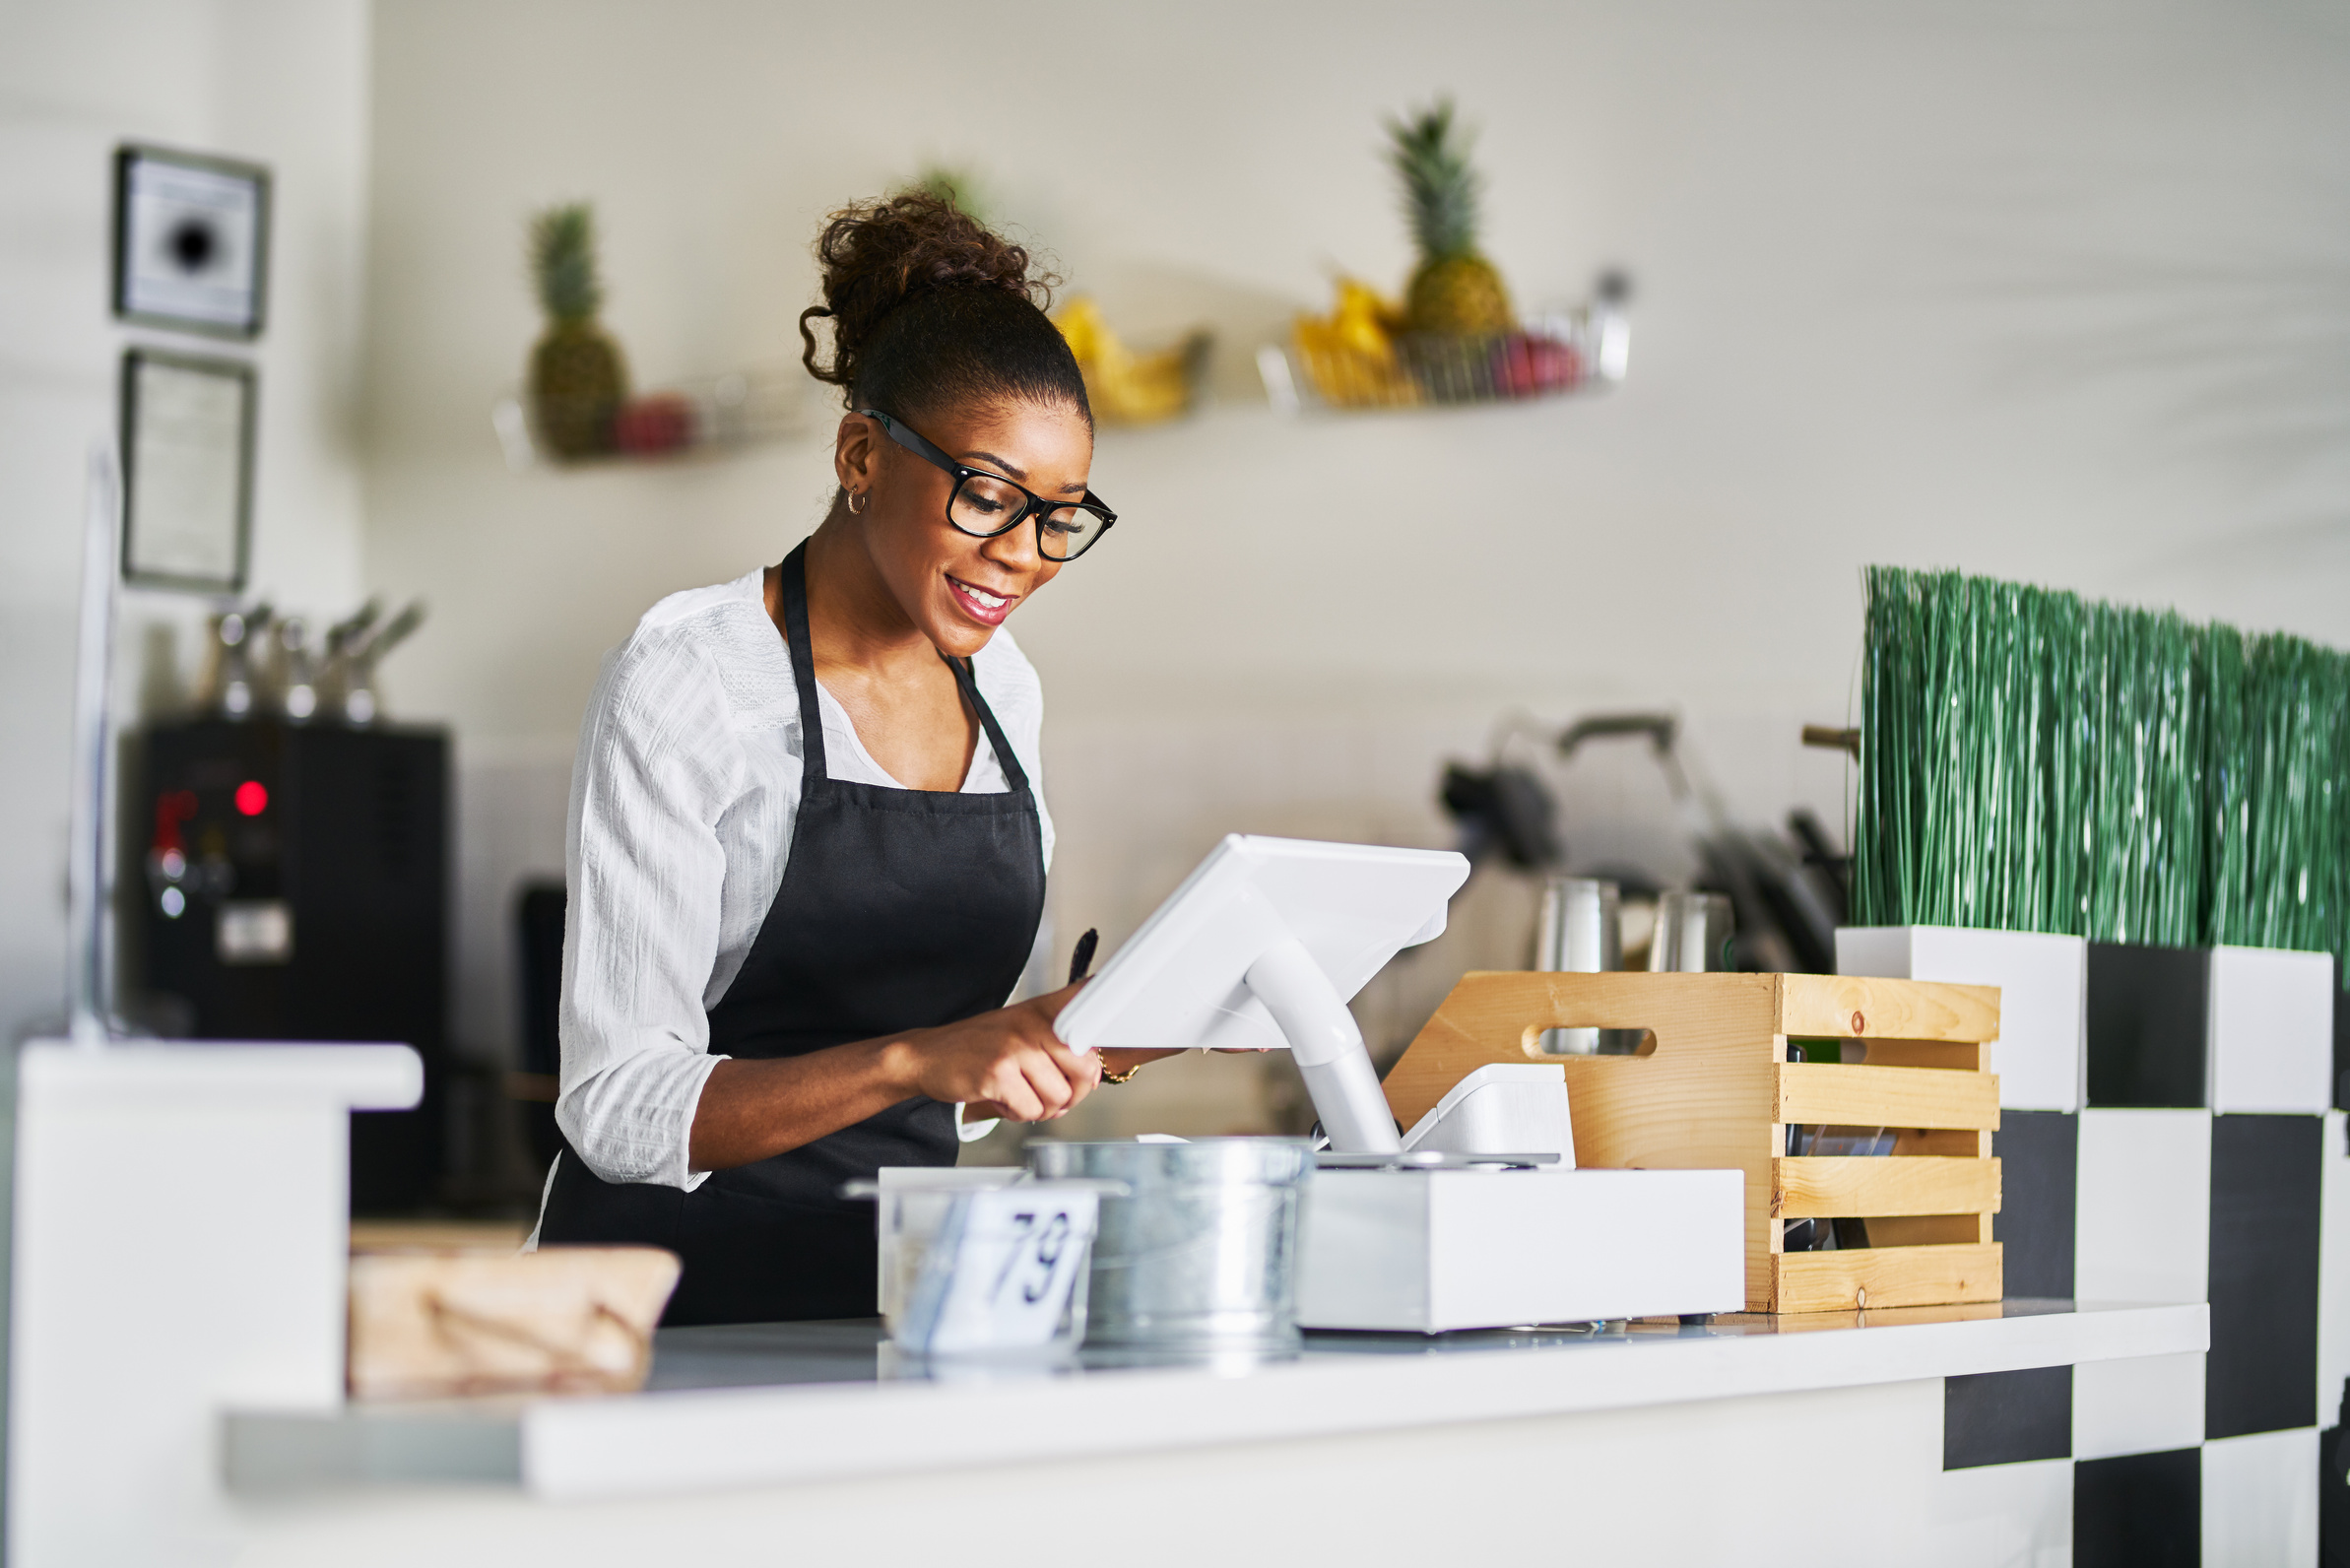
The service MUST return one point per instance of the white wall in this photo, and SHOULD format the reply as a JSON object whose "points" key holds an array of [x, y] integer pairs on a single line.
{"points": [[280, 81], [2060, 293]]}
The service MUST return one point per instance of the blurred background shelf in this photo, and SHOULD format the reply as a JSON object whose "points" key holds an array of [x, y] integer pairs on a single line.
{"points": [[697, 418]]}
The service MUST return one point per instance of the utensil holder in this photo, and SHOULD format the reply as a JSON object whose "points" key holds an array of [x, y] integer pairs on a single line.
{"points": [[1712, 1087]]}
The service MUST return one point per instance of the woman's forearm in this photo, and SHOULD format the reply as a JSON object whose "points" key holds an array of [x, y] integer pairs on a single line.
{"points": [[1008, 1059], [752, 1109]]}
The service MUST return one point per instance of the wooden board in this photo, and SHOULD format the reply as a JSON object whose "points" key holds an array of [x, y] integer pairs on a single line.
{"points": [[1924, 1230], [1862, 1187], [1959, 1143], [1956, 1055], [1886, 1097], [1855, 1007], [575, 1320], [1886, 1276]]}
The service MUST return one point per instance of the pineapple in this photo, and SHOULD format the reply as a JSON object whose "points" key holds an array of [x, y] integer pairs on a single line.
{"points": [[1453, 289], [577, 379]]}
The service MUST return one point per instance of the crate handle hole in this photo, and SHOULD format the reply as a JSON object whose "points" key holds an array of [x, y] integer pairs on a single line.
{"points": [[1560, 1042]]}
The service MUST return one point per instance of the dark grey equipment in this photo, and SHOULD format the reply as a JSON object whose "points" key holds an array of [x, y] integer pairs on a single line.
{"points": [[539, 908], [294, 886]]}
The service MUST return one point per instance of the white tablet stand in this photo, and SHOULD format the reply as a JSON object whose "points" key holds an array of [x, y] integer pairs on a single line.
{"points": [[1259, 950]]}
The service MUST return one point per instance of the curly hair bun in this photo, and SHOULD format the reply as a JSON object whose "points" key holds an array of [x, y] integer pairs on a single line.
{"points": [[929, 308]]}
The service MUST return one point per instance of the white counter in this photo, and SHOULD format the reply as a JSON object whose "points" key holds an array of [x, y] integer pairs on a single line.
{"points": [[780, 1405], [179, 1252]]}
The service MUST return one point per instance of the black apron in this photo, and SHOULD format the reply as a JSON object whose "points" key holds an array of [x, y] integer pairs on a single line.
{"points": [[899, 909]]}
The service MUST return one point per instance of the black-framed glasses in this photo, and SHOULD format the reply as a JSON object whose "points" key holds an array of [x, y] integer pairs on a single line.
{"points": [[985, 504]]}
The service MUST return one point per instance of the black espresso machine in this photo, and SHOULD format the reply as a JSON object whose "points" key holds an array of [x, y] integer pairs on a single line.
{"points": [[295, 887]]}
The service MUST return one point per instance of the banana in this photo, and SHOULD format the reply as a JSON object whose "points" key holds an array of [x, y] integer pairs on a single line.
{"points": [[1125, 387], [1351, 354]]}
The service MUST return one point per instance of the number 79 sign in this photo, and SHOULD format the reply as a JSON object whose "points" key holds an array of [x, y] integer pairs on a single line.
{"points": [[1002, 1272]]}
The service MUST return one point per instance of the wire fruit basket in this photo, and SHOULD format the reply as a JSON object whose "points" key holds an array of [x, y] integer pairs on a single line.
{"points": [[1585, 349], [687, 418]]}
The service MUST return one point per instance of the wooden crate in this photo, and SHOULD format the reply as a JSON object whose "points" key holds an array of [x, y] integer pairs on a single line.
{"points": [[1714, 1088]]}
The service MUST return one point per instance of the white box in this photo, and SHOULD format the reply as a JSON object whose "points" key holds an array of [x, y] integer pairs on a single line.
{"points": [[2270, 1043], [2260, 1500], [2143, 1406], [2143, 1206], [2044, 987], [1431, 1251]]}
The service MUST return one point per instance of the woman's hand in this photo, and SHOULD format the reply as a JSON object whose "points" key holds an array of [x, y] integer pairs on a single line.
{"points": [[1007, 1063]]}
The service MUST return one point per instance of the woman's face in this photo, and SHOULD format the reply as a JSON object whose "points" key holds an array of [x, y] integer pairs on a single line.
{"points": [[957, 590]]}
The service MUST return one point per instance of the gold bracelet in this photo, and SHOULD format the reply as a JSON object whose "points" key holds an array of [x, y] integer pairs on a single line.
{"points": [[1108, 1077]]}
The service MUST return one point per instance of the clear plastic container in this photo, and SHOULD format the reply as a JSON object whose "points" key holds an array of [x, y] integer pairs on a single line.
{"points": [[913, 1203]]}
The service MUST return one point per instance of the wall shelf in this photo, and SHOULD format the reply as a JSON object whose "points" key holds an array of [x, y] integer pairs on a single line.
{"points": [[697, 418]]}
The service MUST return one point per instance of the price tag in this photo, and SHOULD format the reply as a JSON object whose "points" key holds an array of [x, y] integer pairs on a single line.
{"points": [[1002, 1272]]}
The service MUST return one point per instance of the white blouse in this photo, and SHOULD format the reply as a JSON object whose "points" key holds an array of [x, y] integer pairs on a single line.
{"points": [[683, 798]]}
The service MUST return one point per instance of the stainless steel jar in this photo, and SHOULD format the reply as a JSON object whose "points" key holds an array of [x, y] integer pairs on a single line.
{"points": [[1581, 933], [1203, 1254], [1693, 932]]}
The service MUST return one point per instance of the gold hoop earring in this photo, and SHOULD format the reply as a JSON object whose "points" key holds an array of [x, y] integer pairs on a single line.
{"points": [[856, 511]]}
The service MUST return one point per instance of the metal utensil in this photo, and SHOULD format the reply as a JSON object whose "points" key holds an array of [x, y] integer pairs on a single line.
{"points": [[365, 650], [226, 689]]}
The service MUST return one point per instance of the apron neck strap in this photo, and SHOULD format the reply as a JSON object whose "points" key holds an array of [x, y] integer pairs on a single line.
{"points": [[791, 579], [1015, 777]]}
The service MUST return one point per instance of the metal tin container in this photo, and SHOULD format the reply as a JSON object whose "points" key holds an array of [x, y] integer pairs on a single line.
{"points": [[1693, 932], [1203, 1255], [1582, 932]]}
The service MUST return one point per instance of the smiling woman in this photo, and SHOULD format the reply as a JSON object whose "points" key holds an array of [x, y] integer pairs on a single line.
{"points": [[807, 839]]}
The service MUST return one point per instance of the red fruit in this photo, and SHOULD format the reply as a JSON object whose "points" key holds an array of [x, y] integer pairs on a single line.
{"points": [[647, 427], [1525, 365]]}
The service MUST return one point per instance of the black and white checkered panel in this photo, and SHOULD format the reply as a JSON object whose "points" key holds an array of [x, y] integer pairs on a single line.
{"points": [[2195, 1158]]}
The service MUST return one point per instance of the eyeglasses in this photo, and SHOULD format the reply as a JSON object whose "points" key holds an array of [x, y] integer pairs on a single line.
{"points": [[985, 505]]}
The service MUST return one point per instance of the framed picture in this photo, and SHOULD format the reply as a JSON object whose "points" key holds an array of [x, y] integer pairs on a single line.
{"points": [[187, 471], [191, 241]]}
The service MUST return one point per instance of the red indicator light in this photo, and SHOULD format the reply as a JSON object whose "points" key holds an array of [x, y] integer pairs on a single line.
{"points": [[251, 799]]}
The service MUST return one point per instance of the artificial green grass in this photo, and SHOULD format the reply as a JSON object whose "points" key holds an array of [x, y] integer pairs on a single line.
{"points": [[2034, 761]]}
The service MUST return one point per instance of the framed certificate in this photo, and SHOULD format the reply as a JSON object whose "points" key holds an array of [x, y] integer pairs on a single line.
{"points": [[191, 241], [187, 471]]}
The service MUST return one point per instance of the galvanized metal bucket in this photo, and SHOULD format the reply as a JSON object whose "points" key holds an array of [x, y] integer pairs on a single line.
{"points": [[1203, 1255]]}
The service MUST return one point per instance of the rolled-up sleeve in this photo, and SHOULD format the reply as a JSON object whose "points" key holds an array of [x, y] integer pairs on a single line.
{"points": [[656, 769]]}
